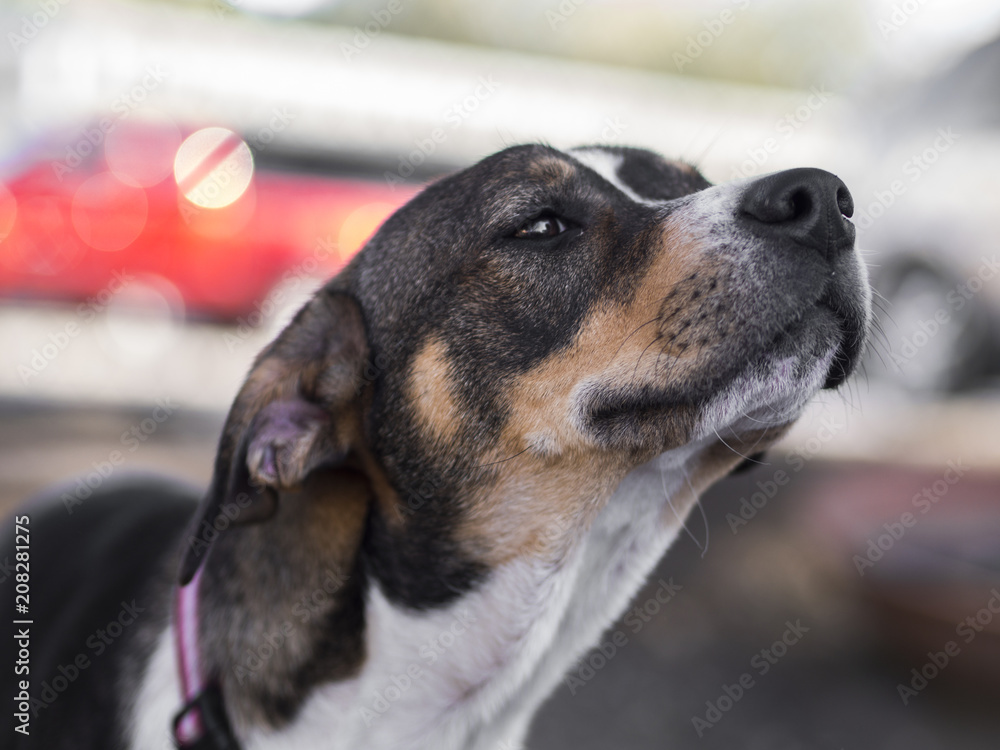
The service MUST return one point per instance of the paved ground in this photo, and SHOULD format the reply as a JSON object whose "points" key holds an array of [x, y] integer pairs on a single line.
{"points": [[836, 687]]}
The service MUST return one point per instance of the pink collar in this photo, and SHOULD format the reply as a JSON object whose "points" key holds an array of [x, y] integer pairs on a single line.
{"points": [[202, 723], [189, 727]]}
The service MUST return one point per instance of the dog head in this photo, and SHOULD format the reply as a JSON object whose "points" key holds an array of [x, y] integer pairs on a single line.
{"points": [[522, 334]]}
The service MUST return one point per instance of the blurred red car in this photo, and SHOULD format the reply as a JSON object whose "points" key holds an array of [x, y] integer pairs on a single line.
{"points": [[195, 213]]}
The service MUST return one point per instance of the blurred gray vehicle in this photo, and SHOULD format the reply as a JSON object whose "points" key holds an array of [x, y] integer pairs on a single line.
{"points": [[929, 214]]}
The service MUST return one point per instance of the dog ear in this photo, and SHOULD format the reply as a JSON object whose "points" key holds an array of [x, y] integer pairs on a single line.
{"points": [[298, 410]]}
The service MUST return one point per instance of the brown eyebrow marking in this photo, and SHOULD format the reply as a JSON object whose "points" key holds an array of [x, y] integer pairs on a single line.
{"points": [[540, 180], [551, 171], [683, 166]]}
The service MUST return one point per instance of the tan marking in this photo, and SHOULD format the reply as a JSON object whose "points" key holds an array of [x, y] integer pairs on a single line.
{"points": [[557, 474], [318, 531], [615, 345], [385, 495], [318, 358], [430, 391], [538, 510], [334, 504], [683, 166], [550, 170]]}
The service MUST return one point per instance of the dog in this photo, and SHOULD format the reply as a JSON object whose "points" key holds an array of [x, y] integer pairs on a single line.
{"points": [[452, 470]]}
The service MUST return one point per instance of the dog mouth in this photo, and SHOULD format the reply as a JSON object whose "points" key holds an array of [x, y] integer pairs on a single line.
{"points": [[835, 319], [849, 317], [831, 328], [845, 358], [836, 326]]}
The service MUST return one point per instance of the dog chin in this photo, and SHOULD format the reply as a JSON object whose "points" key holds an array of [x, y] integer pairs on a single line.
{"points": [[828, 337], [772, 392]]}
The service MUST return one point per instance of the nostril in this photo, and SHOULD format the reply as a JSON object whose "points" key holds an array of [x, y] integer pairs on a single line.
{"points": [[845, 201], [781, 204], [801, 202]]}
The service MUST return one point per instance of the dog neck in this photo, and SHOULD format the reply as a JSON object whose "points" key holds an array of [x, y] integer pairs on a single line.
{"points": [[473, 673]]}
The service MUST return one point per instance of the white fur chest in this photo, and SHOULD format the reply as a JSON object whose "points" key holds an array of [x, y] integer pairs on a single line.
{"points": [[470, 676]]}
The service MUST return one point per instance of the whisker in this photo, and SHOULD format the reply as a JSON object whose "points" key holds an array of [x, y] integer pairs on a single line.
{"points": [[670, 502], [501, 461], [698, 504], [745, 458], [636, 370], [625, 341]]}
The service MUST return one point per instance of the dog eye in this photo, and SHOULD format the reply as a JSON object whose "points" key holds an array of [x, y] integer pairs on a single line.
{"points": [[540, 227]]}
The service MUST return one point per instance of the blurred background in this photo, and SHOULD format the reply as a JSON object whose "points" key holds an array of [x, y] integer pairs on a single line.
{"points": [[176, 177]]}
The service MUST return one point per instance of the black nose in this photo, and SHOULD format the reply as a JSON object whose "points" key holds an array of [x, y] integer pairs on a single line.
{"points": [[809, 206]]}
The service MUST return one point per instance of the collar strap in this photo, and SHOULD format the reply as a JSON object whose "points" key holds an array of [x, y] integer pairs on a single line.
{"points": [[202, 723]]}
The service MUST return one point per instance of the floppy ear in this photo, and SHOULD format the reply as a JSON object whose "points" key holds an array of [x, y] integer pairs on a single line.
{"points": [[297, 411]]}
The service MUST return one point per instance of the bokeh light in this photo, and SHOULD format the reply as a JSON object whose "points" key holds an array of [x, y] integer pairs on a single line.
{"points": [[143, 150], [223, 222], [8, 212], [142, 320], [360, 225], [213, 167], [108, 213], [39, 243]]}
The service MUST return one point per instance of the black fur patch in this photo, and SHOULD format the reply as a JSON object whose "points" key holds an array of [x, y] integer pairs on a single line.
{"points": [[655, 178], [111, 558]]}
